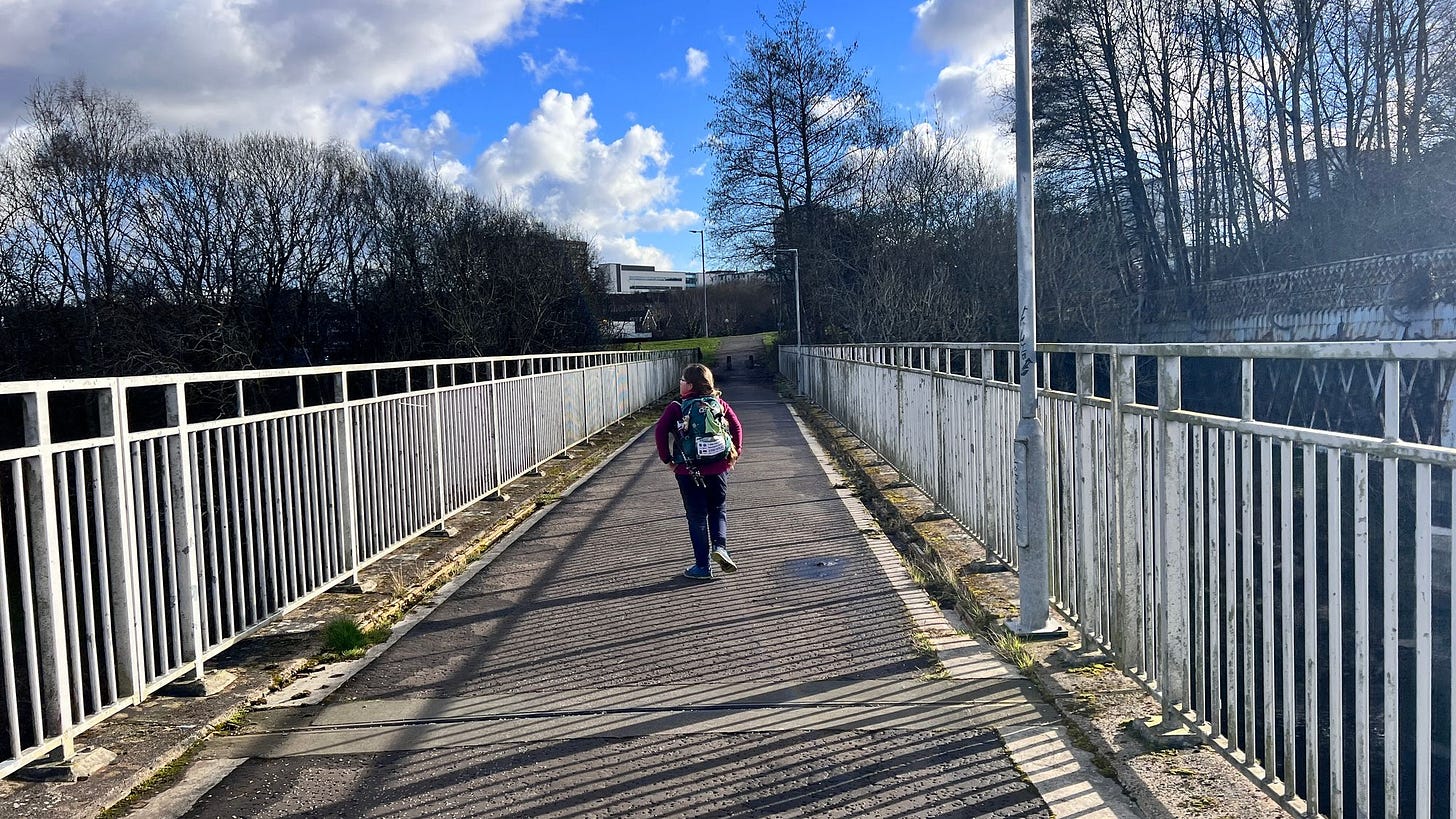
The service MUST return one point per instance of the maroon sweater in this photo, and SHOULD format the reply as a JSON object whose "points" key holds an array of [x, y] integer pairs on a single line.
{"points": [[667, 428]]}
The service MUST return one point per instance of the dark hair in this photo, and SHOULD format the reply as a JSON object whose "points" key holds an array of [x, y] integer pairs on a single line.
{"points": [[701, 378]]}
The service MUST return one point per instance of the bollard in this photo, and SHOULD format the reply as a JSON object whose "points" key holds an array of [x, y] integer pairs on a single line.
{"points": [[751, 363], [730, 363]]}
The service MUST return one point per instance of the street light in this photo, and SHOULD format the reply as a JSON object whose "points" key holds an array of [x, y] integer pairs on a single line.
{"points": [[703, 277], [1029, 459], [798, 325]]}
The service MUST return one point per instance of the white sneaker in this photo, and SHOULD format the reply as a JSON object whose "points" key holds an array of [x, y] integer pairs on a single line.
{"points": [[724, 560]]}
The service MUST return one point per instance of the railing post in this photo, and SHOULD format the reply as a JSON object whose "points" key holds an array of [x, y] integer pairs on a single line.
{"points": [[1172, 540], [1086, 577], [49, 613], [1126, 568], [184, 526], [1390, 585], [937, 431], [346, 487], [495, 440], [988, 494], [437, 397], [126, 610]]}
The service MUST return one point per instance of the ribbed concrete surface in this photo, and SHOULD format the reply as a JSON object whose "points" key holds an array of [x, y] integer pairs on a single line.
{"points": [[579, 675]]}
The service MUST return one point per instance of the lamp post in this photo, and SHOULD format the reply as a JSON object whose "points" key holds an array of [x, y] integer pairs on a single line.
{"points": [[1029, 461], [703, 277], [798, 322]]}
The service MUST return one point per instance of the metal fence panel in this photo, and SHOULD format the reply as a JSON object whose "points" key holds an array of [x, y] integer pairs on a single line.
{"points": [[166, 517], [1266, 543]]}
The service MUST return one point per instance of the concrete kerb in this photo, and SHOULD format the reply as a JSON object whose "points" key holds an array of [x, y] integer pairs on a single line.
{"points": [[476, 549], [995, 595]]}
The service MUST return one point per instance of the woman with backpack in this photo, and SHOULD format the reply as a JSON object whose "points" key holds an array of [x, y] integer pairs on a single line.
{"points": [[706, 440]]}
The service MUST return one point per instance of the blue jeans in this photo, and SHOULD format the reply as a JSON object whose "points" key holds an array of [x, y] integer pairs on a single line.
{"points": [[706, 511]]}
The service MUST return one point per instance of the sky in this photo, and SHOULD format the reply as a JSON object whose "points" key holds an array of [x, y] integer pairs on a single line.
{"points": [[590, 113]]}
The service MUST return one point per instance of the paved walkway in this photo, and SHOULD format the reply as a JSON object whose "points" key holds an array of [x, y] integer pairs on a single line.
{"points": [[579, 675]]}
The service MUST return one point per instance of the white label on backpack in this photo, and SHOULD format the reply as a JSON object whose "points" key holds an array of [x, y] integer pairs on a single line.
{"points": [[708, 447]]}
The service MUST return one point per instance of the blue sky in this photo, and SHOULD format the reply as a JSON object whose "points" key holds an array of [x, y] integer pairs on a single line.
{"points": [[589, 112]]}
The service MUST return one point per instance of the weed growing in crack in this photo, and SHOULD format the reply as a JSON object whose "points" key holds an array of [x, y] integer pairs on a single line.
{"points": [[344, 640]]}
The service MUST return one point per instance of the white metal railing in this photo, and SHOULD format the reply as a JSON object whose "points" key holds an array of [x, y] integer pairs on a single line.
{"points": [[148, 523], [1260, 533]]}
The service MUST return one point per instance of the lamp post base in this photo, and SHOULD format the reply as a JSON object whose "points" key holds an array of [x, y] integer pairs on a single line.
{"points": [[1048, 631]]}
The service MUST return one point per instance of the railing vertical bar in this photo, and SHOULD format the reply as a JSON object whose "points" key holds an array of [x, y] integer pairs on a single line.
{"points": [[394, 469], [1085, 516], [172, 548], [1197, 699], [280, 516], [48, 596], [320, 537], [1390, 586], [1267, 604], [236, 560], [25, 540], [312, 540], [267, 495], [139, 546], [438, 428], [1129, 503], [69, 639], [122, 532], [366, 507], [384, 456], [213, 544], [1217, 623], [294, 504], [159, 608], [1173, 486], [185, 519], [1334, 608], [1151, 610], [1310, 463], [1362, 634], [1288, 709], [325, 479], [7, 657], [1248, 547], [108, 647], [229, 534], [258, 525], [1424, 642]]}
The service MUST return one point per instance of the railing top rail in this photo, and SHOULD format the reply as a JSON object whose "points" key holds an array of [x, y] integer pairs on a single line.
{"points": [[57, 384], [1385, 350]]}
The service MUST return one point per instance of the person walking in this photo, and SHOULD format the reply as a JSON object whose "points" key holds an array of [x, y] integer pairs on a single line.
{"points": [[700, 439]]}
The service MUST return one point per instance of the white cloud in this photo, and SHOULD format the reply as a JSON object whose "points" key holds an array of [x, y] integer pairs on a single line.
{"points": [[976, 36], [974, 95], [696, 62], [626, 250], [561, 62], [323, 69], [430, 147], [558, 166], [970, 31]]}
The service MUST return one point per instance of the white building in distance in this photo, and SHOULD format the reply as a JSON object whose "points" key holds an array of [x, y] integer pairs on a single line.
{"points": [[641, 278]]}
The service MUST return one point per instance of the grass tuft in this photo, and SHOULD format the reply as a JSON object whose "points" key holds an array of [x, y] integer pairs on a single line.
{"points": [[344, 640]]}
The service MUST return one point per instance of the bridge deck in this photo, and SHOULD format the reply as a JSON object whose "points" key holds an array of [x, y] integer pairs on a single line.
{"points": [[578, 674]]}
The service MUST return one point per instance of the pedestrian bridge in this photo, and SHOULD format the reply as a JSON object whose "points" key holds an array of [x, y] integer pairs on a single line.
{"points": [[1257, 534]]}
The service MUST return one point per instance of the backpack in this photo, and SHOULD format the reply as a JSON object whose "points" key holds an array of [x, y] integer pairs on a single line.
{"points": [[702, 432]]}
